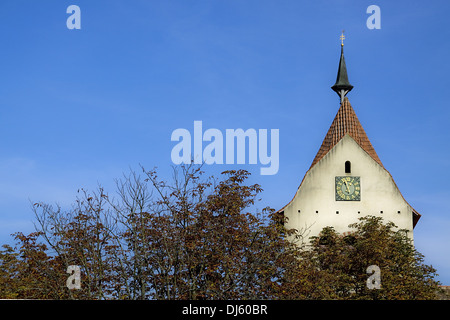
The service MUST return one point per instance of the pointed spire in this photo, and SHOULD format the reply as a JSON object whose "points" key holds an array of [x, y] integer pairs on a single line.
{"points": [[346, 122], [342, 85]]}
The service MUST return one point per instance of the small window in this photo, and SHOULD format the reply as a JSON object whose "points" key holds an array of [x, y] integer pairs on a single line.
{"points": [[359, 212], [317, 211], [348, 167], [298, 211], [398, 212], [381, 211], [337, 212]]}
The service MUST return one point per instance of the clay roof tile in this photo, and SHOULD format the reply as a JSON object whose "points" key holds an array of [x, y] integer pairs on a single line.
{"points": [[345, 122]]}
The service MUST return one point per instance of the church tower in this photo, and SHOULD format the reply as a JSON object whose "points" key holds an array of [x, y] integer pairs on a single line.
{"points": [[347, 179]]}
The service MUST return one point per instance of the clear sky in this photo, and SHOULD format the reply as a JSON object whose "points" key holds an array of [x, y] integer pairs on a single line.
{"points": [[80, 107]]}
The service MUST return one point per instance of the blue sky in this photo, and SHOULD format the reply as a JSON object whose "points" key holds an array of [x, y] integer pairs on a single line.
{"points": [[80, 107]]}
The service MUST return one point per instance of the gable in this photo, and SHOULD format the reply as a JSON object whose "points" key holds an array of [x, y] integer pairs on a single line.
{"points": [[345, 122], [380, 191]]}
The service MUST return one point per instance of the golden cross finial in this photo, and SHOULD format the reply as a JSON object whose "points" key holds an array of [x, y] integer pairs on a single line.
{"points": [[342, 37]]}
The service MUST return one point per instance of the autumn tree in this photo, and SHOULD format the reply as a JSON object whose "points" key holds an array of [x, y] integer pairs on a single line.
{"points": [[342, 263], [81, 236], [28, 272], [198, 237], [192, 238]]}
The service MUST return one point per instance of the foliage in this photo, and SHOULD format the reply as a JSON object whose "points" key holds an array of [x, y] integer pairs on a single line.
{"points": [[196, 238], [343, 260]]}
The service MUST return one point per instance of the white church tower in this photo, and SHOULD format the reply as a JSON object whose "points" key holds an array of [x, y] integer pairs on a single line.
{"points": [[346, 179]]}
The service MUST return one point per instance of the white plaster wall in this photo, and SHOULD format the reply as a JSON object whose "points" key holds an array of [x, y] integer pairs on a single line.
{"points": [[316, 196]]}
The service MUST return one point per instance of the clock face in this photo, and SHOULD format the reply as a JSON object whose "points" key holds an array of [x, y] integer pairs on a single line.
{"points": [[348, 188]]}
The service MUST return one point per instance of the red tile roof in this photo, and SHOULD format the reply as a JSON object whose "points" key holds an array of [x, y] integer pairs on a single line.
{"points": [[346, 122]]}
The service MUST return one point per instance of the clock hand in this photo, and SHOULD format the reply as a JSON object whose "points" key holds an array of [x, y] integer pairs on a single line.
{"points": [[346, 184]]}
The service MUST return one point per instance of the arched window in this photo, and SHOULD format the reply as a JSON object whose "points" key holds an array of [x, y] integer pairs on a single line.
{"points": [[348, 167]]}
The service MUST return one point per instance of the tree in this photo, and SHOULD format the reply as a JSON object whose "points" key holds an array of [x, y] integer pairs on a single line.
{"points": [[343, 261], [202, 238], [27, 272], [194, 238]]}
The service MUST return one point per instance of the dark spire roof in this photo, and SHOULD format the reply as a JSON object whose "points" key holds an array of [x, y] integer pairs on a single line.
{"points": [[342, 86]]}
